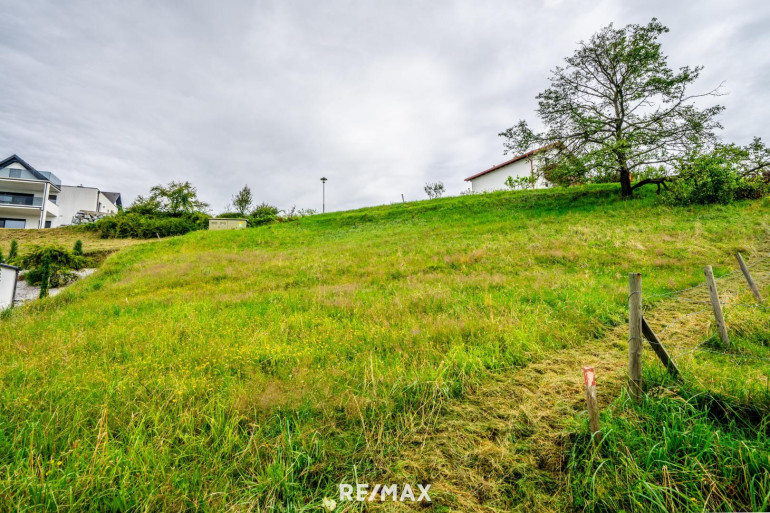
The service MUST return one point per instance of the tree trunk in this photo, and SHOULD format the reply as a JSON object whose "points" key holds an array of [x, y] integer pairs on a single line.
{"points": [[625, 183]]}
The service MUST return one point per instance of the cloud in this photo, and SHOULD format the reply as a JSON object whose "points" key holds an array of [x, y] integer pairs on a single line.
{"points": [[378, 97]]}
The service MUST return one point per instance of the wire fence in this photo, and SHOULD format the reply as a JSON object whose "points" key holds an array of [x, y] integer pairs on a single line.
{"points": [[705, 344]]}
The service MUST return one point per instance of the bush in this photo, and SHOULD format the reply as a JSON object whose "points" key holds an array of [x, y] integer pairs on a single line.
{"points": [[13, 254], [434, 189], [703, 180], [520, 182], [263, 214], [131, 224], [721, 176], [54, 262], [752, 188], [704, 186], [570, 171]]}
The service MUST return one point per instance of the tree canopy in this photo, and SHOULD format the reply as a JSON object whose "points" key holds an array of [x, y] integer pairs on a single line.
{"points": [[617, 107], [243, 201], [175, 198]]}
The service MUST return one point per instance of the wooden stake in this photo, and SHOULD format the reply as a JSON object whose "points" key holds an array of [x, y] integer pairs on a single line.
{"points": [[716, 305], [652, 338], [747, 274], [635, 335], [589, 378]]}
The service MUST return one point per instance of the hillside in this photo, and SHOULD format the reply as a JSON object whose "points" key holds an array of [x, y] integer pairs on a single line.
{"points": [[260, 368]]}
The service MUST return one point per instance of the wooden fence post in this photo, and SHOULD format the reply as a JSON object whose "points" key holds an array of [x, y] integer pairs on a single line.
{"points": [[589, 378], [635, 335], [657, 346], [716, 305], [747, 274]]}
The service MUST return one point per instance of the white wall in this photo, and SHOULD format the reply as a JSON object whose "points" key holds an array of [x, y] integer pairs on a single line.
{"points": [[495, 180], [105, 205], [7, 287], [73, 198]]}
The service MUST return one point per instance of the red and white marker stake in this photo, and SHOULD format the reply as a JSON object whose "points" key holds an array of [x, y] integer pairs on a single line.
{"points": [[589, 378]]}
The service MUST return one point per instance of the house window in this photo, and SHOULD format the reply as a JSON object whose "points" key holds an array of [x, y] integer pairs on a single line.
{"points": [[52, 199], [16, 198], [14, 173], [48, 224], [12, 223]]}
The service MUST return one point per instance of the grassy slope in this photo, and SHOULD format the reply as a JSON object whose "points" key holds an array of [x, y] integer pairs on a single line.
{"points": [[265, 366], [65, 237]]}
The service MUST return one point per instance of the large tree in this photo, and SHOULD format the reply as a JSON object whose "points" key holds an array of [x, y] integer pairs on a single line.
{"points": [[175, 198], [617, 107]]}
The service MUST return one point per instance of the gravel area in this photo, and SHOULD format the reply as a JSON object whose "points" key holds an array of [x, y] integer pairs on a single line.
{"points": [[26, 292]]}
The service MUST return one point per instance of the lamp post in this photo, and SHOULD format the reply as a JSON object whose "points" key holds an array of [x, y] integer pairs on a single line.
{"points": [[323, 187]]}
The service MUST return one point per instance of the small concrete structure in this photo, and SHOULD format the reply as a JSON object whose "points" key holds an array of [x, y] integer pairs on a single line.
{"points": [[223, 223], [9, 276]]}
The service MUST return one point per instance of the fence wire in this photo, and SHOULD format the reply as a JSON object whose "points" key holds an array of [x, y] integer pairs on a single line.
{"points": [[703, 345]]}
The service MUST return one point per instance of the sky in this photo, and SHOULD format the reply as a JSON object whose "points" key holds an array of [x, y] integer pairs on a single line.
{"points": [[379, 97]]}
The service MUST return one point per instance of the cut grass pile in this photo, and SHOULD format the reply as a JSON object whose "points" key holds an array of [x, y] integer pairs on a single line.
{"points": [[260, 368]]}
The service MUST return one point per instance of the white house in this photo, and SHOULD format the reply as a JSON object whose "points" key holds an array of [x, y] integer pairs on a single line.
{"points": [[37, 199], [526, 165], [76, 198], [28, 197]]}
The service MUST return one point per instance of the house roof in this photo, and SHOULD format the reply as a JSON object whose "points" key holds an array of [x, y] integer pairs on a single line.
{"points": [[114, 197], [514, 159], [15, 159]]}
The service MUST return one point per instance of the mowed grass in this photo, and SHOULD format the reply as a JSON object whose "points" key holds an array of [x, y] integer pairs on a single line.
{"points": [[65, 237], [257, 369]]}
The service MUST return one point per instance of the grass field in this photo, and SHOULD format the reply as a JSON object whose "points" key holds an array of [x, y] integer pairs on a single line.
{"points": [[65, 237], [257, 369]]}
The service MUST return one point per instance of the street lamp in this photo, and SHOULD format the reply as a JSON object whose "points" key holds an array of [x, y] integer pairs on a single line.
{"points": [[323, 186]]}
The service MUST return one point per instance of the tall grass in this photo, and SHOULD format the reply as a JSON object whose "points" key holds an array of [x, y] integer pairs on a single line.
{"points": [[669, 454], [258, 368], [699, 443]]}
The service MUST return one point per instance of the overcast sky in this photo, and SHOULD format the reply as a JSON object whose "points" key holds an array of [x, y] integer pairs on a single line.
{"points": [[379, 97]]}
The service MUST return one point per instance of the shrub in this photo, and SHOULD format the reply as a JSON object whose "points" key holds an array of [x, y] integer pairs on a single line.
{"points": [[51, 266], [13, 254], [78, 248], [726, 173], [706, 179], [434, 189], [752, 188], [570, 171], [520, 182], [263, 214], [132, 224]]}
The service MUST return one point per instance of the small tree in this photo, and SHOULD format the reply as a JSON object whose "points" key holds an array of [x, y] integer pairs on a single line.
{"points": [[14, 252], [243, 201], [434, 189], [45, 275], [77, 250]]}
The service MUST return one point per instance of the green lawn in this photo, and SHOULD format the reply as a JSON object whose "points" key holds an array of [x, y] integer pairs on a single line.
{"points": [[259, 368]]}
